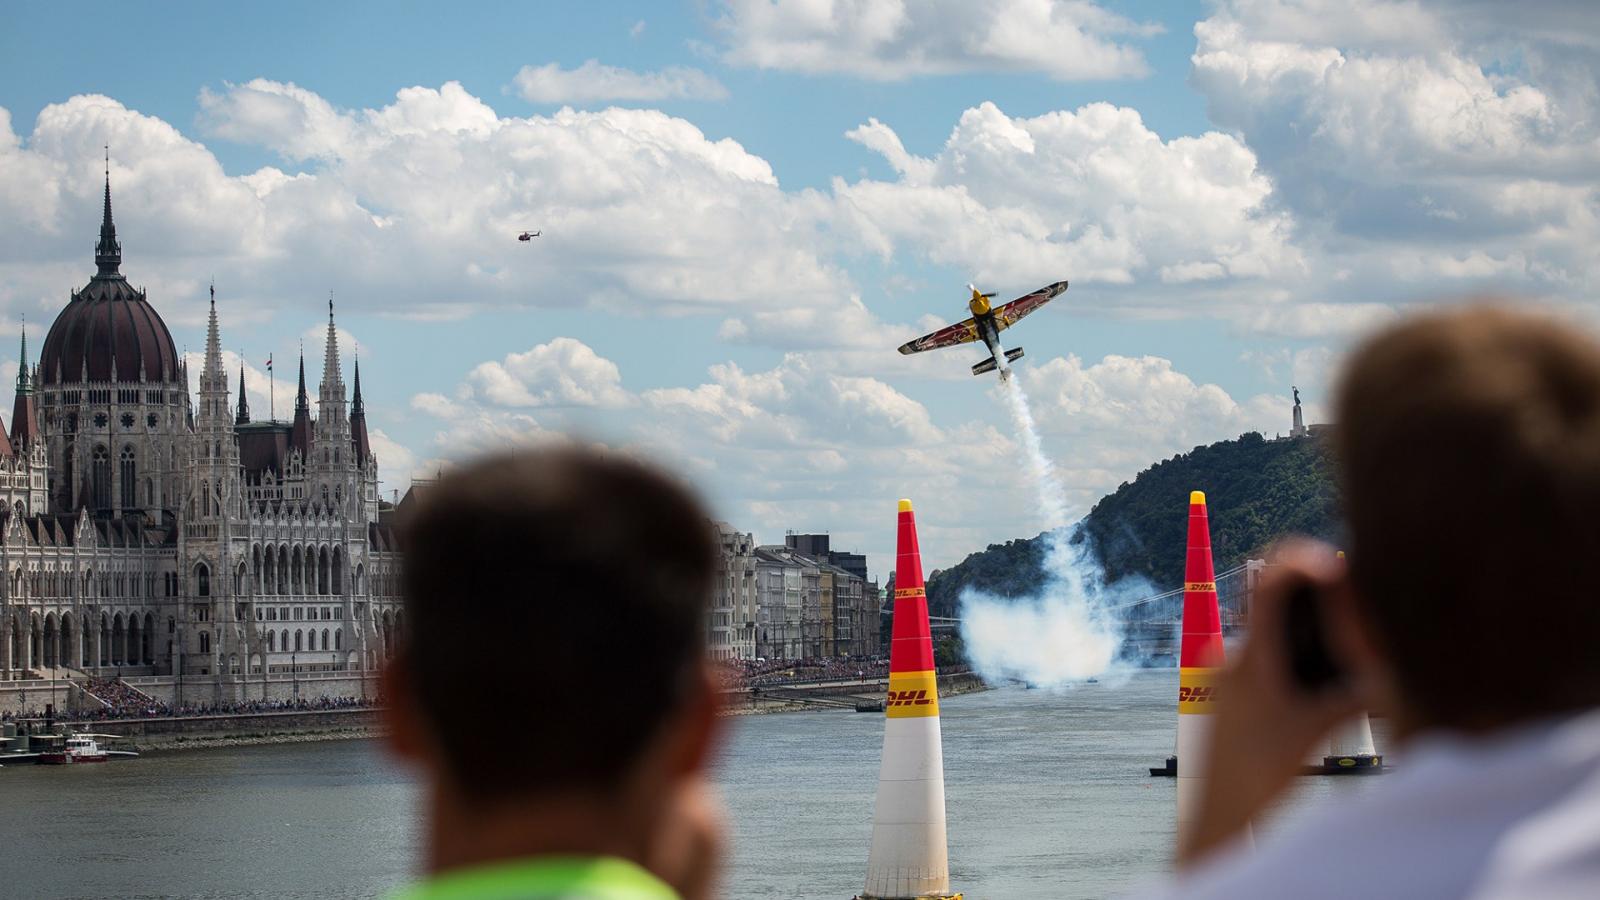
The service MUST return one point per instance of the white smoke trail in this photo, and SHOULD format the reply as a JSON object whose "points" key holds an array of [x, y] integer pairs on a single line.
{"points": [[1064, 633]]}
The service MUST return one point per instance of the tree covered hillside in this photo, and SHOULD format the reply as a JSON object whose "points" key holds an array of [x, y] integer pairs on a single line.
{"points": [[1257, 491]]}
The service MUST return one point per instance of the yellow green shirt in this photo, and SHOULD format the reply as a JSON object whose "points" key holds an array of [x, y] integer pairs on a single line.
{"points": [[543, 878]]}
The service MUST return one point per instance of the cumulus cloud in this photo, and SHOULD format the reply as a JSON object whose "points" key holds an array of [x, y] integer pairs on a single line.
{"points": [[593, 82], [802, 445], [1424, 143], [563, 372], [1105, 421], [416, 203], [1093, 195], [891, 39]]}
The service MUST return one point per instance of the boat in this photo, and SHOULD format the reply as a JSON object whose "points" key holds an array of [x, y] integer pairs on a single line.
{"points": [[79, 748], [82, 748]]}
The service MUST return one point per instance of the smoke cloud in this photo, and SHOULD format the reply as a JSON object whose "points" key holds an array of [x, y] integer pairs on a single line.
{"points": [[1066, 632]]}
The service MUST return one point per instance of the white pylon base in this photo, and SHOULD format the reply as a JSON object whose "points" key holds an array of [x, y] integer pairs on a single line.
{"points": [[909, 858]]}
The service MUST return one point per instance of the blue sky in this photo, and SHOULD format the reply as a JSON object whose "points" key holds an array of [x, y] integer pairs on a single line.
{"points": [[1236, 190]]}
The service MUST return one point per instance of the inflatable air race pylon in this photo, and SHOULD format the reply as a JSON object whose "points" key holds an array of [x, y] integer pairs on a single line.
{"points": [[909, 859], [1200, 660]]}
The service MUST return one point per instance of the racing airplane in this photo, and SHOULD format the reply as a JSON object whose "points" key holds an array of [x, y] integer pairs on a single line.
{"points": [[985, 325], [528, 235]]}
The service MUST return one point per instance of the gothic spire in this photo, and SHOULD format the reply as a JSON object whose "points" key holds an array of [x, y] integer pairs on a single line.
{"points": [[300, 432], [243, 416], [24, 384], [213, 364], [331, 379], [358, 421], [301, 401], [108, 253]]}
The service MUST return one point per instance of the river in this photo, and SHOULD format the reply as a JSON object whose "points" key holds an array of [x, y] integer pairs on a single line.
{"points": [[1048, 797]]}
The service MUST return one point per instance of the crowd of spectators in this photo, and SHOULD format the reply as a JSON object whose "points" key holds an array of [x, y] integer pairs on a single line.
{"points": [[748, 673], [122, 701]]}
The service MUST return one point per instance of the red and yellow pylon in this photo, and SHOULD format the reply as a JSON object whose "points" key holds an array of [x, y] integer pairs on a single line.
{"points": [[1200, 660], [909, 859]]}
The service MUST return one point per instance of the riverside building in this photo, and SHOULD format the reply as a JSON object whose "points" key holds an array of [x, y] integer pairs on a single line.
{"points": [[206, 555]]}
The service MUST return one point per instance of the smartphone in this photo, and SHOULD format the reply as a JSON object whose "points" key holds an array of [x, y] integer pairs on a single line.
{"points": [[1310, 663]]}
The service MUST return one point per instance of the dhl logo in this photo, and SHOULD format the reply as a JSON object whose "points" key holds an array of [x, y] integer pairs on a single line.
{"points": [[1195, 587], [1188, 694], [909, 698], [910, 592]]}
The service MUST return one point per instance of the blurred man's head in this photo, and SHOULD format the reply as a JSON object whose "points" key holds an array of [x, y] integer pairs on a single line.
{"points": [[555, 608], [1469, 448]]}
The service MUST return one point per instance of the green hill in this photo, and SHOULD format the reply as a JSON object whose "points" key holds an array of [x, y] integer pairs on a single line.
{"points": [[1257, 491]]}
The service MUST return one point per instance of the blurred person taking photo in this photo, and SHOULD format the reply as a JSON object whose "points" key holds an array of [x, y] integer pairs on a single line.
{"points": [[552, 685], [1468, 451]]}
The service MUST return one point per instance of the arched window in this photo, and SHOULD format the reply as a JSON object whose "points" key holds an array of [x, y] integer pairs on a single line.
{"points": [[129, 478], [272, 641], [283, 640], [202, 580], [297, 635], [205, 642], [338, 639], [324, 638], [101, 474]]}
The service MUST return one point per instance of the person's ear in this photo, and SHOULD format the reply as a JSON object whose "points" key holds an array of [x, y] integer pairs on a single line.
{"points": [[401, 716], [700, 722]]}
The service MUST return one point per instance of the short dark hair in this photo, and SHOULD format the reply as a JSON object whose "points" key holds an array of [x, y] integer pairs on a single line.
{"points": [[1469, 448], [555, 602]]}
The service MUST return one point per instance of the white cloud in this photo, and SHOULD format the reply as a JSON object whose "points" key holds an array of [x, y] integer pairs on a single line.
{"points": [[563, 372], [894, 39], [1446, 146], [1091, 195], [1105, 421], [592, 82], [416, 205], [397, 465], [802, 445]]}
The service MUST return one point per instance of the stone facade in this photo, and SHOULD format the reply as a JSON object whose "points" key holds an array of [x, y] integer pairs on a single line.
{"points": [[148, 532], [731, 627]]}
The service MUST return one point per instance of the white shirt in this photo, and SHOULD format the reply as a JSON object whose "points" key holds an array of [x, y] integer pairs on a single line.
{"points": [[1512, 815]]}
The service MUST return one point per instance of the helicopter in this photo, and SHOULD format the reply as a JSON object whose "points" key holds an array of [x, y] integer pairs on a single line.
{"points": [[528, 235]]}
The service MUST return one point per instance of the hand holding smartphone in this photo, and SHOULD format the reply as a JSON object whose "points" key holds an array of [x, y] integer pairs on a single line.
{"points": [[1310, 663]]}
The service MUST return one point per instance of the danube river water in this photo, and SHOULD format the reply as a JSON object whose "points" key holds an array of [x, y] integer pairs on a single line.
{"points": [[1048, 797]]}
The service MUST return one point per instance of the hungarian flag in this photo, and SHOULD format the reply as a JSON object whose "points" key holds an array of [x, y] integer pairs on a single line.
{"points": [[269, 362]]}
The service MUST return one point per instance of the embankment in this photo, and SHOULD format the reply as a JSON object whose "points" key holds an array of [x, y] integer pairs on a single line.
{"points": [[201, 732], [841, 694]]}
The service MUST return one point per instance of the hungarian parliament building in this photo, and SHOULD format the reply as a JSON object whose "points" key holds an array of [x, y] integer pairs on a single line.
{"points": [[171, 539]]}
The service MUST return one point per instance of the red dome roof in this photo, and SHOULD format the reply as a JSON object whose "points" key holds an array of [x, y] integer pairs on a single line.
{"points": [[108, 320]]}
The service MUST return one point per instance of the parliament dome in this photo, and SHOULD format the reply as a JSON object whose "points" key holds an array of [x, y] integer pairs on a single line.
{"points": [[108, 322]]}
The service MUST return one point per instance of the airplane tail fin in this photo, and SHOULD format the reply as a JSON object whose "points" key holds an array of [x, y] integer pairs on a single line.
{"points": [[985, 366]]}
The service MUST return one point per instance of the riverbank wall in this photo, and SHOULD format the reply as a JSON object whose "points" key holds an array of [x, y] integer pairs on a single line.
{"points": [[200, 732], [840, 694], [172, 733], [66, 695]]}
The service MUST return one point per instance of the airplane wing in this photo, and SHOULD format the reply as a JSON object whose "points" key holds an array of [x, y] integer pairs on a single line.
{"points": [[960, 333], [1008, 315]]}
